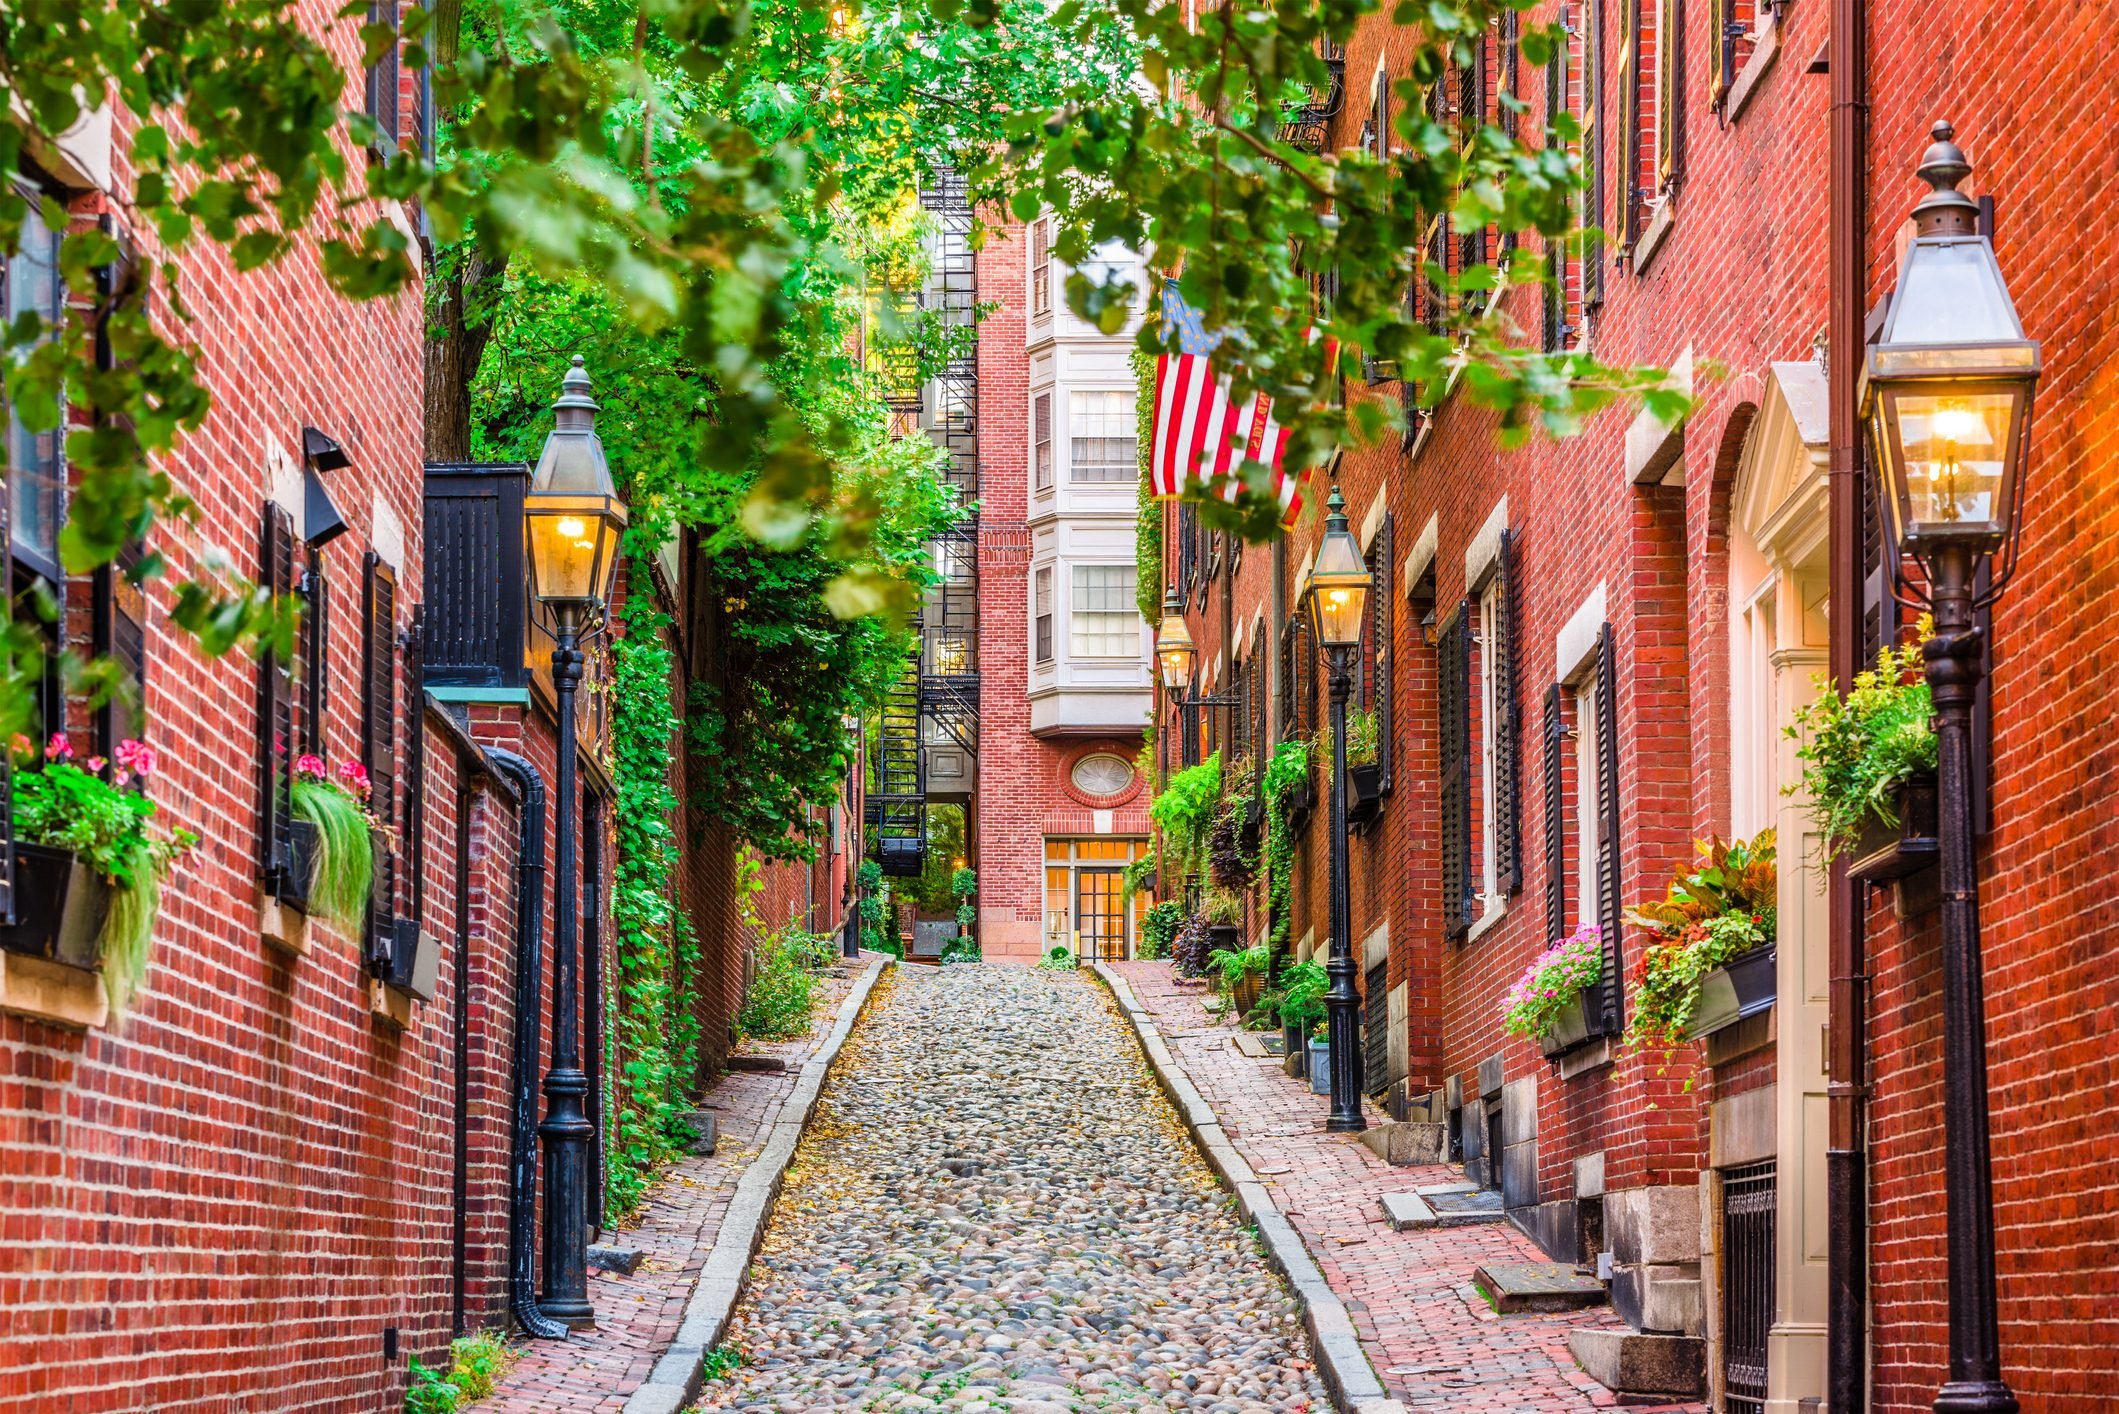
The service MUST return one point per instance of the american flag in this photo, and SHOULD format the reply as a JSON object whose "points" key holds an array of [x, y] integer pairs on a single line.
{"points": [[1201, 437]]}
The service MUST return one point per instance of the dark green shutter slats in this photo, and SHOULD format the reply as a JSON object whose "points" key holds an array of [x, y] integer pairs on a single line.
{"points": [[379, 739], [1555, 819], [1507, 824], [276, 745], [1611, 985], [1453, 693], [1383, 617]]}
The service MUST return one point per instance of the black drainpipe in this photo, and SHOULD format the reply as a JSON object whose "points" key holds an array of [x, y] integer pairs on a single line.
{"points": [[460, 1175], [529, 980]]}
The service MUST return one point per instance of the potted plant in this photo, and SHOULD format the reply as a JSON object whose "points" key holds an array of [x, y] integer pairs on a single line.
{"points": [[87, 872], [1239, 975], [1869, 766], [1364, 777], [1711, 962], [339, 873], [1320, 1067], [1223, 911], [1190, 948], [1546, 1003], [962, 886], [1301, 1006]]}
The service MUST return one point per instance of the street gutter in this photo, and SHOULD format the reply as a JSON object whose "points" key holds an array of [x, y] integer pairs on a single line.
{"points": [[674, 1382], [1348, 1375]]}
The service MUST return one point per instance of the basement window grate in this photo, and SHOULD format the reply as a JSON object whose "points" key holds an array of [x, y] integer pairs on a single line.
{"points": [[1748, 1198]]}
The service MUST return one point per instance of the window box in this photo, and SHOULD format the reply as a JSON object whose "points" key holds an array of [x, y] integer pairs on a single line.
{"points": [[60, 905], [414, 962], [1364, 795], [305, 844], [1301, 803], [1570, 1028], [1744, 987], [1888, 852]]}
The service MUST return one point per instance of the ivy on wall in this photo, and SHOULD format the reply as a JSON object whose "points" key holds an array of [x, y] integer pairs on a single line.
{"points": [[1148, 532]]}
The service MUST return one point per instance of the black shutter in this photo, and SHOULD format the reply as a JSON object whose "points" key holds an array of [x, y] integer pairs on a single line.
{"points": [[1258, 702], [118, 606], [276, 743], [316, 652], [1593, 152], [1555, 819], [1383, 618], [382, 79], [1607, 727], [415, 806], [379, 739], [1375, 1027], [1507, 824], [1453, 690], [1550, 339]]}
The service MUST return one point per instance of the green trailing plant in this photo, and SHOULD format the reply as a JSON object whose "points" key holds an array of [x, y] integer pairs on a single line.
{"points": [[1566, 969], [783, 987], [1287, 770], [1138, 874], [1158, 928], [1232, 855], [345, 855], [1301, 995], [1148, 517], [1859, 749], [652, 1043], [100, 813], [1183, 814], [1230, 966], [476, 1363], [1715, 912], [1223, 908]]}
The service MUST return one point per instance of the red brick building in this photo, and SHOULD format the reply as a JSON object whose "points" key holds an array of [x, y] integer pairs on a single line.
{"points": [[1583, 658]]}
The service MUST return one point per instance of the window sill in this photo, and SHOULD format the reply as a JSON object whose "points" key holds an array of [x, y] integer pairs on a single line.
{"points": [[51, 991], [1651, 241], [1763, 53], [1496, 910], [283, 925], [388, 1006]]}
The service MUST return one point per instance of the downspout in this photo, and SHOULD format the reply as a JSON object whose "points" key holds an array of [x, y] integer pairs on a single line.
{"points": [[1846, 1175], [529, 983]]}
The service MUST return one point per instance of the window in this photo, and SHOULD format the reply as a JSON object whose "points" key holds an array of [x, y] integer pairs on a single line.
{"points": [[1490, 630], [382, 96], [36, 475], [1100, 436], [1563, 258], [1041, 440], [1589, 812], [1041, 615], [1040, 268], [1104, 620], [1102, 773], [1651, 141]]}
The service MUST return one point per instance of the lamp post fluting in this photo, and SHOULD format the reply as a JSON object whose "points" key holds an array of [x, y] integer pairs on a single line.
{"points": [[572, 519], [1947, 390], [1339, 586]]}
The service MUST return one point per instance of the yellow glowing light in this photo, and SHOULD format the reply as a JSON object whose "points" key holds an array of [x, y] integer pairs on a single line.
{"points": [[573, 527]]}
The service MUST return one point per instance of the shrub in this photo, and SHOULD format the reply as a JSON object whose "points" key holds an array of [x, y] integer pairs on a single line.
{"points": [[1561, 973], [1189, 949], [1058, 958], [476, 1363], [1158, 927], [783, 990], [1301, 997]]}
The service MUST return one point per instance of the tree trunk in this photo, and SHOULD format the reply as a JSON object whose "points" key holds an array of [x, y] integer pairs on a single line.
{"points": [[456, 342]]}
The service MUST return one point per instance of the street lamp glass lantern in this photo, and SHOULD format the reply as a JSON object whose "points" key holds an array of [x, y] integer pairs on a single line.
{"points": [[1947, 386], [1339, 583], [572, 516], [1174, 649]]}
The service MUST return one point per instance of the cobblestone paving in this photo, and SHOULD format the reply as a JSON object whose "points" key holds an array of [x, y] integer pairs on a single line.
{"points": [[995, 1209], [1435, 1341]]}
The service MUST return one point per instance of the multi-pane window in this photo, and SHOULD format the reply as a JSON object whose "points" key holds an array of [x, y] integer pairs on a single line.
{"points": [[1104, 622], [1041, 615], [382, 86], [1487, 743], [1589, 805], [1651, 144], [1040, 267], [1100, 436], [36, 474], [1041, 441]]}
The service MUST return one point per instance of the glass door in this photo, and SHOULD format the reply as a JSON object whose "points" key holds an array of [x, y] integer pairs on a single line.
{"points": [[1100, 914]]}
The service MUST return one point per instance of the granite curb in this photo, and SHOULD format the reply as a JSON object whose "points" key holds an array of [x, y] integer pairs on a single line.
{"points": [[675, 1380], [1346, 1370]]}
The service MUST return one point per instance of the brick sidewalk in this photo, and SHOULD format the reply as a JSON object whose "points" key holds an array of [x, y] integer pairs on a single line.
{"points": [[637, 1316], [1434, 1341]]}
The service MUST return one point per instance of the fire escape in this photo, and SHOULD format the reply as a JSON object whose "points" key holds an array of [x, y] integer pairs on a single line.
{"points": [[927, 744]]}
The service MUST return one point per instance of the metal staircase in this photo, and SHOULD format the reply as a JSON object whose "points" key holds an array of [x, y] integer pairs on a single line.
{"points": [[899, 802]]}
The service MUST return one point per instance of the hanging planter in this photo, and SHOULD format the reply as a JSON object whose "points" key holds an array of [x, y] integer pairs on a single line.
{"points": [[1742, 987], [1364, 795], [1566, 1028], [87, 874], [333, 859], [1887, 850]]}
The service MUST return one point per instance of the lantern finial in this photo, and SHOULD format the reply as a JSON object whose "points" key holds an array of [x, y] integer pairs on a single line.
{"points": [[1945, 211]]}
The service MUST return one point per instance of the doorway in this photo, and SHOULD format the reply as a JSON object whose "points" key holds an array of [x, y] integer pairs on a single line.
{"points": [[1100, 914]]}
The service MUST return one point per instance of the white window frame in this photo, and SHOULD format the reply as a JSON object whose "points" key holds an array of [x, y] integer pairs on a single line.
{"points": [[1040, 268], [1041, 441], [1078, 399], [1589, 804], [1075, 614], [1043, 647], [1491, 899]]}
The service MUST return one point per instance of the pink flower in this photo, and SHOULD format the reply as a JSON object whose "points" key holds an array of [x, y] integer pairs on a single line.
{"points": [[137, 757], [309, 767], [59, 748], [97, 763], [355, 775]]}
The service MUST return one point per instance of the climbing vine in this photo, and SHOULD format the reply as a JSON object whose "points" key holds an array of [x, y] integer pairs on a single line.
{"points": [[1287, 770], [1148, 527], [654, 1039]]}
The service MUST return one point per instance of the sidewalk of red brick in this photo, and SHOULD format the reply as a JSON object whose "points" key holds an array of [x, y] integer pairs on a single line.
{"points": [[637, 1316], [1434, 1341]]}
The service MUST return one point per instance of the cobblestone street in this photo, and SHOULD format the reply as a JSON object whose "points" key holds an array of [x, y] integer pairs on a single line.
{"points": [[996, 1209]]}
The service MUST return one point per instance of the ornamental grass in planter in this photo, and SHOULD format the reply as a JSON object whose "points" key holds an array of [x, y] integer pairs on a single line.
{"points": [[343, 872], [1710, 961], [1546, 1004], [89, 875]]}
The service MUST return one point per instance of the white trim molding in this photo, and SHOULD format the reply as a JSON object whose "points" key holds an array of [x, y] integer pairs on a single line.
{"points": [[1574, 647]]}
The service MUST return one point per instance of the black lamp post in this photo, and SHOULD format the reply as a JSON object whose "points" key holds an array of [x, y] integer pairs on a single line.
{"points": [[572, 519], [1947, 394], [1177, 656], [1339, 587]]}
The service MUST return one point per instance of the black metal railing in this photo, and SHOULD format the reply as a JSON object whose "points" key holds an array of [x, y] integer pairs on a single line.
{"points": [[1748, 1200]]}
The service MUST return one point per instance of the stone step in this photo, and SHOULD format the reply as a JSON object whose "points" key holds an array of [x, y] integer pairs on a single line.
{"points": [[1630, 1362], [1537, 1286]]}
